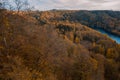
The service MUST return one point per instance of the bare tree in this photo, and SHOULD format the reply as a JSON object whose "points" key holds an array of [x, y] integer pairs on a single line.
{"points": [[2, 4], [22, 5], [19, 4], [15, 5], [6, 4]]}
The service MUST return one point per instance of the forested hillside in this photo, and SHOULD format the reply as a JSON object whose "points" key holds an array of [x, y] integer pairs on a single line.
{"points": [[107, 20], [57, 45]]}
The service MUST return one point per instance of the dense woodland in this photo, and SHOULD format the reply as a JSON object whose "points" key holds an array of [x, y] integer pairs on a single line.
{"points": [[107, 20], [58, 45]]}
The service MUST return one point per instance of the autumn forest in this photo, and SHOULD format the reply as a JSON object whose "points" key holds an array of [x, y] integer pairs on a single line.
{"points": [[59, 45]]}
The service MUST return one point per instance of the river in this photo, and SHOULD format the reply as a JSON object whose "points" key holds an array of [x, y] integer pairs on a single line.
{"points": [[112, 36]]}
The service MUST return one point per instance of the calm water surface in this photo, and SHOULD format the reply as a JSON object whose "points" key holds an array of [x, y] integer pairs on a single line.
{"points": [[112, 36]]}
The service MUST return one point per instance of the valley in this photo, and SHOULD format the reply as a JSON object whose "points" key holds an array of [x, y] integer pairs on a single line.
{"points": [[59, 45], [110, 35]]}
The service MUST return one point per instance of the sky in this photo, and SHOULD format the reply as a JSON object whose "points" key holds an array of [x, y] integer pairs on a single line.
{"points": [[76, 4]]}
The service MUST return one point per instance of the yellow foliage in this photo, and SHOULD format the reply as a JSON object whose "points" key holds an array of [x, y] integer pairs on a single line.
{"points": [[94, 63], [111, 53], [101, 49], [77, 40], [1, 47], [94, 44]]}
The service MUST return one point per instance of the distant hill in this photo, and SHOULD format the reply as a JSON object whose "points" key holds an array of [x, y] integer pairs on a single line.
{"points": [[57, 45], [107, 20]]}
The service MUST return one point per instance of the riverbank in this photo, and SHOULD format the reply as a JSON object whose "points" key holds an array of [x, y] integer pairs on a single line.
{"points": [[111, 35]]}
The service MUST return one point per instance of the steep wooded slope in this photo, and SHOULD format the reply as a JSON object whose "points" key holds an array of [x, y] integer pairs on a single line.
{"points": [[55, 50], [107, 20]]}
